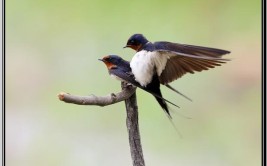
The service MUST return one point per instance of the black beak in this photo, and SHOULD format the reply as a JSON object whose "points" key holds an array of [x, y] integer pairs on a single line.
{"points": [[101, 60], [126, 46]]}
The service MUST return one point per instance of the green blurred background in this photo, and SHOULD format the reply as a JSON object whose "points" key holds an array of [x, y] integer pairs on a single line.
{"points": [[53, 46]]}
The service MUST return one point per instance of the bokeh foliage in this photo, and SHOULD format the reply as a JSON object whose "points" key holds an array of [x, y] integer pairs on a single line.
{"points": [[53, 46]]}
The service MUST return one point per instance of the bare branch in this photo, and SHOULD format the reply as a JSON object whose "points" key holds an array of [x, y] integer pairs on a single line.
{"points": [[98, 100], [133, 130], [128, 95]]}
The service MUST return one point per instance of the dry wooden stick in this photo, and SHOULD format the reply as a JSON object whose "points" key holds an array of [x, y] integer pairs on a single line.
{"points": [[133, 130], [128, 95], [98, 100]]}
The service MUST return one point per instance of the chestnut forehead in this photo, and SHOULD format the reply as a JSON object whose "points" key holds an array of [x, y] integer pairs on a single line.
{"points": [[105, 57]]}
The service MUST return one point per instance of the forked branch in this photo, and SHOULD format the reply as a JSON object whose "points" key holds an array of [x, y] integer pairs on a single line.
{"points": [[128, 95], [127, 92]]}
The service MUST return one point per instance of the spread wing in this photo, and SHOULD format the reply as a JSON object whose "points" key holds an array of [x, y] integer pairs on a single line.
{"points": [[198, 51], [184, 59]]}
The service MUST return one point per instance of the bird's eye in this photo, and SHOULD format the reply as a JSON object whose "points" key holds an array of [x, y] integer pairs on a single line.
{"points": [[132, 41]]}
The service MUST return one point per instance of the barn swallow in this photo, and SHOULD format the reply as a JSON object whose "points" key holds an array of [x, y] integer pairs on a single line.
{"points": [[169, 61], [121, 70]]}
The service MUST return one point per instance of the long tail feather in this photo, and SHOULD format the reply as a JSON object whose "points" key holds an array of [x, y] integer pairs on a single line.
{"points": [[160, 97], [170, 87], [164, 106]]}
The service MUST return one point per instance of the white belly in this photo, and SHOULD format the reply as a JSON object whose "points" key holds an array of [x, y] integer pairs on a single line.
{"points": [[144, 64], [117, 78]]}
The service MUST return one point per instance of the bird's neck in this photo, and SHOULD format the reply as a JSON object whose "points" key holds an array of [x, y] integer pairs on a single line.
{"points": [[142, 46]]}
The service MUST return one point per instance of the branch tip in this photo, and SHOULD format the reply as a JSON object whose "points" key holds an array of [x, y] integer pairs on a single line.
{"points": [[61, 96]]}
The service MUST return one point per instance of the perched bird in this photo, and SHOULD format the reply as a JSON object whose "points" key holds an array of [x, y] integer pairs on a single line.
{"points": [[169, 61], [121, 70]]}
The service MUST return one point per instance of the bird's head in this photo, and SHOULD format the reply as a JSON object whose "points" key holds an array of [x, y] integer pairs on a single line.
{"points": [[111, 61], [136, 42]]}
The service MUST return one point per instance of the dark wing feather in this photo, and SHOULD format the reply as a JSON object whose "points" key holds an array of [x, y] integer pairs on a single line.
{"points": [[184, 59], [190, 49], [125, 75], [177, 66]]}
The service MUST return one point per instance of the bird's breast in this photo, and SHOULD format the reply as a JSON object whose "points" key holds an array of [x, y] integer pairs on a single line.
{"points": [[145, 64], [117, 78]]}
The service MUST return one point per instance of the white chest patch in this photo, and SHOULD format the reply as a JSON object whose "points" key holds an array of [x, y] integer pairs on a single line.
{"points": [[116, 77], [145, 63]]}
